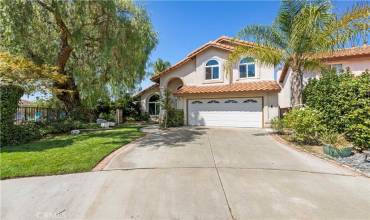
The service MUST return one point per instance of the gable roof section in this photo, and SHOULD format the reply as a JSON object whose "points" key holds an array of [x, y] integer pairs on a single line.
{"points": [[347, 53], [156, 85], [223, 43], [257, 86]]}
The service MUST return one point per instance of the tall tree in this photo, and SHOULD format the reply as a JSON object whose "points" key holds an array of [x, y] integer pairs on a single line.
{"points": [[160, 65], [302, 30], [100, 46]]}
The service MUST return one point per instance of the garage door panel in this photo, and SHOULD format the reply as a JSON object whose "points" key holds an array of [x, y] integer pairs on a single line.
{"points": [[238, 114]]}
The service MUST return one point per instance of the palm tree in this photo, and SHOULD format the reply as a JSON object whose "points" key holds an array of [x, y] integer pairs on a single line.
{"points": [[160, 65], [302, 30]]}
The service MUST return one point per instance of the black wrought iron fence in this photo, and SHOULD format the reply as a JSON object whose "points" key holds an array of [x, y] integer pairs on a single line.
{"points": [[38, 114]]}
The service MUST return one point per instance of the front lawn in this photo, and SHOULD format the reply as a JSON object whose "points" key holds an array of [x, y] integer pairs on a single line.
{"points": [[64, 153]]}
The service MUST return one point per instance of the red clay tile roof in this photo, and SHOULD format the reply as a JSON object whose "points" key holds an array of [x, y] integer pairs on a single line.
{"points": [[223, 43], [271, 86], [347, 52], [228, 44]]}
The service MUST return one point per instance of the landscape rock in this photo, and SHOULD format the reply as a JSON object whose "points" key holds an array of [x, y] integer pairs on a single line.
{"points": [[75, 132], [100, 121], [356, 161]]}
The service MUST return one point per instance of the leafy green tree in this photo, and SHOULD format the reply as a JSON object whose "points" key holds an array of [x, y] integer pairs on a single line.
{"points": [[22, 72], [101, 47], [301, 31], [160, 65]]}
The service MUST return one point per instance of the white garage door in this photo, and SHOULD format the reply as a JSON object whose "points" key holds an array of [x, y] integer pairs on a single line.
{"points": [[233, 112]]}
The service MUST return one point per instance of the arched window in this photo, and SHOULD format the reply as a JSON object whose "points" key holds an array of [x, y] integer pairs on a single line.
{"points": [[154, 105], [212, 70], [247, 68]]}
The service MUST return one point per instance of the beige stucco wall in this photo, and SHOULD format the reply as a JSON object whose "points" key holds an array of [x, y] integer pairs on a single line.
{"points": [[144, 98], [356, 65], [193, 72]]}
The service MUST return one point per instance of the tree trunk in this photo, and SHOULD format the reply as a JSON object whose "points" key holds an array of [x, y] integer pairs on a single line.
{"points": [[68, 94], [67, 91], [297, 88]]}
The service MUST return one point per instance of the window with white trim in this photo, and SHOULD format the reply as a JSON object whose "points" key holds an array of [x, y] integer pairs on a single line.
{"points": [[337, 67], [212, 70], [154, 105], [247, 68]]}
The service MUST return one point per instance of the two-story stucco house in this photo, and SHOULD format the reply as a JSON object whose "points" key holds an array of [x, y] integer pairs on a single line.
{"points": [[249, 96]]}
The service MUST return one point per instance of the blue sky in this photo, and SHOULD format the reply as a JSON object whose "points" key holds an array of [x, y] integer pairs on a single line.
{"points": [[183, 26]]}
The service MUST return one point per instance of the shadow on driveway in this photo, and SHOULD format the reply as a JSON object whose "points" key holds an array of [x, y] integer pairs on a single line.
{"points": [[175, 137]]}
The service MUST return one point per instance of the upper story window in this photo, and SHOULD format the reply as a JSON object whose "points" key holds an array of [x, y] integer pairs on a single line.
{"points": [[247, 68], [338, 67], [212, 70]]}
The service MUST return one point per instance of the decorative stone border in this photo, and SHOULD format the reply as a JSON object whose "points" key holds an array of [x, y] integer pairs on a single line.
{"points": [[330, 160]]}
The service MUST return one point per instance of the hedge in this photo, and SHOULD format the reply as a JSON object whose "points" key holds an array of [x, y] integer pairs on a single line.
{"points": [[9, 98], [344, 101]]}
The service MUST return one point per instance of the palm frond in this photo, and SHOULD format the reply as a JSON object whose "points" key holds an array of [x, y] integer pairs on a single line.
{"points": [[308, 23], [313, 65], [353, 23], [262, 34], [263, 54], [287, 12]]}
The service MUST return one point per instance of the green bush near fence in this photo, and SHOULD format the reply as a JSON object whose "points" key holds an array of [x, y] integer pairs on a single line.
{"points": [[9, 98]]}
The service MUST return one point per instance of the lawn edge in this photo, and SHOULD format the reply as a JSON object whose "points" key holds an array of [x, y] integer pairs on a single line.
{"points": [[80, 171], [105, 161], [291, 145]]}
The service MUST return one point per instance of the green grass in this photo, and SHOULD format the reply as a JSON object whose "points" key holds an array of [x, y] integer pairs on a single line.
{"points": [[64, 153]]}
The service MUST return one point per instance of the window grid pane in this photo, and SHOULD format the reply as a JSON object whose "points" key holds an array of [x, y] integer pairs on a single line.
{"points": [[215, 73], [208, 73], [251, 70], [243, 71]]}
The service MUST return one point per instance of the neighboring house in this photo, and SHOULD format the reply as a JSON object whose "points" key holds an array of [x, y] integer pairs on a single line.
{"points": [[25, 103], [250, 96], [208, 96], [357, 59]]}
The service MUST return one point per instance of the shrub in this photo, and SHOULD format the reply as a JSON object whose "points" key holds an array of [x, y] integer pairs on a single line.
{"points": [[9, 98], [175, 118], [144, 116], [337, 140], [305, 124], [26, 132], [277, 124], [344, 101]]}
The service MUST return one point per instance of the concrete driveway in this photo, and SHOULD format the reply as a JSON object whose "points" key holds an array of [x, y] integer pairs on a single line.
{"points": [[196, 173]]}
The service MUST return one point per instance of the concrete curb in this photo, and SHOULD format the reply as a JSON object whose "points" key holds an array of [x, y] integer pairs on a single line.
{"points": [[123, 149], [277, 138]]}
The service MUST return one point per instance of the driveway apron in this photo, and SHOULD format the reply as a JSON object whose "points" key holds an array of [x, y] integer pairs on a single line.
{"points": [[197, 173]]}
